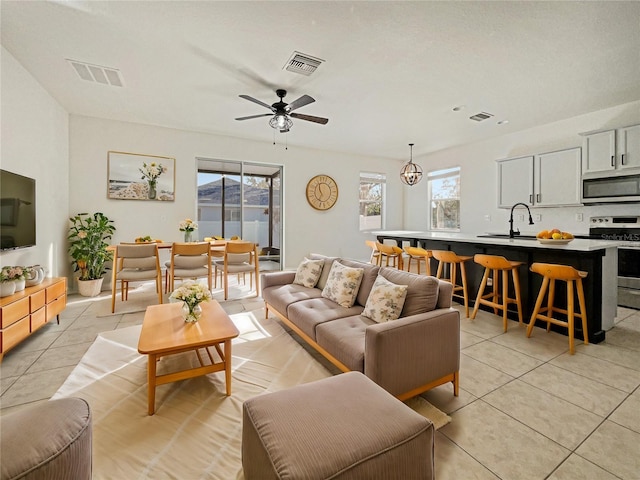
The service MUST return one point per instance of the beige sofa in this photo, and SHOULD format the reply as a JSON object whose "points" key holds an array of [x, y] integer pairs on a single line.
{"points": [[418, 351]]}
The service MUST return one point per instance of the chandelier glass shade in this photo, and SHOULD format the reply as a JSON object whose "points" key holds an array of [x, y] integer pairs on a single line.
{"points": [[281, 122], [411, 173]]}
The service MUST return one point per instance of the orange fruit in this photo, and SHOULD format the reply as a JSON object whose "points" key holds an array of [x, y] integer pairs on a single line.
{"points": [[556, 236]]}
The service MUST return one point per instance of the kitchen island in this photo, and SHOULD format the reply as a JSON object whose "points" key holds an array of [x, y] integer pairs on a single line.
{"points": [[596, 257]]}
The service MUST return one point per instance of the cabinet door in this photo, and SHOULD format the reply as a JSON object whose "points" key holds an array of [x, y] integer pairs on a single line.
{"points": [[557, 178], [599, 152], [629, 147], [515, 181]]}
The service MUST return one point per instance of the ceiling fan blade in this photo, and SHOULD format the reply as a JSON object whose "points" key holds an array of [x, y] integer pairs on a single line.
{"points": [[300, 102], [255, 116], [251, 99], [310, 118]]}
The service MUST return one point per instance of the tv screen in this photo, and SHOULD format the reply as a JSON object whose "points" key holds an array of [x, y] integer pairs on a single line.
{"points": [[17, 211]]}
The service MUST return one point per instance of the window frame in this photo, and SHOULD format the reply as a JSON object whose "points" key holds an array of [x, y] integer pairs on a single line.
{"points": [[372, 178], [450, 172]]}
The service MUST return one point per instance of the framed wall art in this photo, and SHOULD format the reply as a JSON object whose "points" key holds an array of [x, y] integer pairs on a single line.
{"points": [[133, 176]]}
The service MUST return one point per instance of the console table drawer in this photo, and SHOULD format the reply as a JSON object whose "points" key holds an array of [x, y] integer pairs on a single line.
{"points": [[56, 290], [38, 318], [15, 333], [15, 311], [56, 306], [37, 300]]}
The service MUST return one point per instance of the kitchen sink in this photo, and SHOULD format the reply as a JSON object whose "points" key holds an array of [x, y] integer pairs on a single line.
{"points": [[506, 235]]}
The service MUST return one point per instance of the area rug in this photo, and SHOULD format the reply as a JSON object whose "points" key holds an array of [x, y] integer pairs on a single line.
{"points": [[196, 431]]}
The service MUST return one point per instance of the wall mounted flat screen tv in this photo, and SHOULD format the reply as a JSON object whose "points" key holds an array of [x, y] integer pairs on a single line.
{"points": [[17, 211]]}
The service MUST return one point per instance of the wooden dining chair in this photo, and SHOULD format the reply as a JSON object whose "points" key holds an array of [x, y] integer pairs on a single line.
{"points": [[132, 263], [239, 257], [190, 260]]}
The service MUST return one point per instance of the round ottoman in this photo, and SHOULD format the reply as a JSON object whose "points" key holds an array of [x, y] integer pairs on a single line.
{"points": [[48, 440]]}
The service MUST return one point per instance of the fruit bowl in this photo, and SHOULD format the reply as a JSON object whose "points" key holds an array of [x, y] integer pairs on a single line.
{"points": [[551, 241]]}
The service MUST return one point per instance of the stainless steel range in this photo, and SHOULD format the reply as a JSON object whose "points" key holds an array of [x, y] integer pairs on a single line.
{"points": [[626, 230]]}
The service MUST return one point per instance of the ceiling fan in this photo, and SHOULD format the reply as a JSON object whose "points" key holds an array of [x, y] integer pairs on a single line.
{"points": [[281, 111]]}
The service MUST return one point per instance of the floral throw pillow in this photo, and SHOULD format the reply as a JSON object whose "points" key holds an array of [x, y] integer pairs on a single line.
{"points": [[308, 273], [343, 284], [385, 301]]}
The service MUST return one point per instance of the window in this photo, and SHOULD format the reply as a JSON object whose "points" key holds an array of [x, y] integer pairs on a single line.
{"points": [[444, 199], [372, 191]]}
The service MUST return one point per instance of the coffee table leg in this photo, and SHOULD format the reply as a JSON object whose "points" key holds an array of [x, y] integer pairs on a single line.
{"points": [[151, 381], [227, 365]]}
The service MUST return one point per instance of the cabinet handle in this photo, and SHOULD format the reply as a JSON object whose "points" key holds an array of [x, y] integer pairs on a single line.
{"points": [[613, 160], [538, 197], [623, 159], [531, 198]]}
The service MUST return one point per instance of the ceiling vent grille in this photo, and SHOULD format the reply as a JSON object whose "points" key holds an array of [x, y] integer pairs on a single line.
{"points": [[479, 117], [302, 64], [97, 73]]}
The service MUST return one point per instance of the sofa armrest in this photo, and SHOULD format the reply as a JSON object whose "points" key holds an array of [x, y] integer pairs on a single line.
{"points": [[445, 294], [403, 355], [276, 278]]}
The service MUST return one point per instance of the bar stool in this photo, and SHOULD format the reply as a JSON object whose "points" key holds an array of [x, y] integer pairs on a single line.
{"points": [[419, 255], [494, 264], [565, 273], [390, 252], [375, 254], [452, 260]]}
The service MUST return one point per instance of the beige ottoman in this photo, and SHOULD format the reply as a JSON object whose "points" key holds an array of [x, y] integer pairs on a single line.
{"points": [[342, 427], [50, 440]]}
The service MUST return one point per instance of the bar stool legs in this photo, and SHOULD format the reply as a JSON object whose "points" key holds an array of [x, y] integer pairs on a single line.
{"points": [[494, 264], [449, 258], [573, 278]]}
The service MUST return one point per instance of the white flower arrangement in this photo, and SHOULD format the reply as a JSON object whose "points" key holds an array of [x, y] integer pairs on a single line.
{"points": [[188, 225], [152, 171], [192, 293]]}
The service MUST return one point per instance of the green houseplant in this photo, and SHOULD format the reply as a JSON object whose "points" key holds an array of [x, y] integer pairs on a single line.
{"points": [[88, 235]]}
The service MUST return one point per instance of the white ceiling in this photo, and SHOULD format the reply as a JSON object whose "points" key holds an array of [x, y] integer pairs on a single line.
{"points": [[393, 71]]}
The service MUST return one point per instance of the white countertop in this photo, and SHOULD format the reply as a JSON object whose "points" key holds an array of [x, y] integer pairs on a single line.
{"points": [[578, 244]]}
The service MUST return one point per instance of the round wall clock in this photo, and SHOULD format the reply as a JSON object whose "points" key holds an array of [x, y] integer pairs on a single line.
{"points": [[322, 192]]}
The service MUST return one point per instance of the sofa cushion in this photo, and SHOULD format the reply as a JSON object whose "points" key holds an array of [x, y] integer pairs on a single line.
{"points": [[422, 294], [343, 284], [369, 276], [281, 296], [344, 338], [308, 272], [385, 301], [328, 261], [308, 314]]}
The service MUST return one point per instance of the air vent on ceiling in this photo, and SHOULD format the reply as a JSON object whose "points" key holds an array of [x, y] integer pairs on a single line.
{"points": [[302, 63], [97, 73], [478, 117]]}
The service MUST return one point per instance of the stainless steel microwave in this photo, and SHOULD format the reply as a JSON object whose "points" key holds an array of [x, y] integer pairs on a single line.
{"points": [[619, 189]]}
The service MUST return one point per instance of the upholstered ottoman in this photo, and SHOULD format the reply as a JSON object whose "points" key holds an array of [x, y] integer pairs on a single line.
{"points": [[342, 427], [49, 440]]}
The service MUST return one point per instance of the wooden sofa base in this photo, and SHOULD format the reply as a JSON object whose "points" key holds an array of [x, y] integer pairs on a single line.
{"points": [[454, 378]]}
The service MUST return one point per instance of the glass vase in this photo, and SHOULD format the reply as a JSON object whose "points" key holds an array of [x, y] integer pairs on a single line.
{"points": [[191, 313], [152, 190], [188, 236]]}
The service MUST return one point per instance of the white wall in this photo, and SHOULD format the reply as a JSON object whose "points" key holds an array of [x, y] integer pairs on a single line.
{"points": [[334, 232], [479, 178], [35, 139]]}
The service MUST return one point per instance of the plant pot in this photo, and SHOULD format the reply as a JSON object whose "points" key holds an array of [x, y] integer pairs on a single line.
{"points": [[7, 288], [90, 288], [20, 284]]}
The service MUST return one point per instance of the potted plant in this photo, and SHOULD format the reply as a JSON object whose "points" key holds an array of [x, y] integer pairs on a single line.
{"points": [[88, 237]]}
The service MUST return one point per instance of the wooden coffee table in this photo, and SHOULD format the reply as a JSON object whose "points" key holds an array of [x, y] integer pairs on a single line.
{"points": [[164, 332]]}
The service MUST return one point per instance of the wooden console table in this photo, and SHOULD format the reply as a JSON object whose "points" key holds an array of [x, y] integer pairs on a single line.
{"points": [[24, 312]]}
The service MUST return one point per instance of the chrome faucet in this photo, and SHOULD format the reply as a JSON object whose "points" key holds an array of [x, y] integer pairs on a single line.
{"points": [[513, 233]]}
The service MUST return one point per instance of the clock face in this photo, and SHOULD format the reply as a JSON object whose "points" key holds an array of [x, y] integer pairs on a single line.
{"points": [[322, 192]]}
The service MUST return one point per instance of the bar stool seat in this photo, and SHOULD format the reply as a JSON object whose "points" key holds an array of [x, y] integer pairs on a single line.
{"points": [[452, 260], [499, 301], [420, 255], [573, 278], [390, 253]]}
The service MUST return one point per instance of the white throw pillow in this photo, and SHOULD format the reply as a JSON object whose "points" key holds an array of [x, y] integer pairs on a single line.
{"points": [[385, 301], [343, 284], [308, 273]]}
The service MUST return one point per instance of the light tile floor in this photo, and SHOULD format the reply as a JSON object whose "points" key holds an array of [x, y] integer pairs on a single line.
{"points": [[526, 410]]}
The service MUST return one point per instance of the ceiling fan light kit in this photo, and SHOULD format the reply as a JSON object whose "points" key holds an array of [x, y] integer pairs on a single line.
{"points": [[411, 173]]}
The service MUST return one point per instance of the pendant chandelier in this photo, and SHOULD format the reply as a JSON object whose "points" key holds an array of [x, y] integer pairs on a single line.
{"points": [[411, 173]]}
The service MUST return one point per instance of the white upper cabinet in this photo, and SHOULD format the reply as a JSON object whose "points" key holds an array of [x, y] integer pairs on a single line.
{"points": [[544, 180], [611, 151], [515, 181]]}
